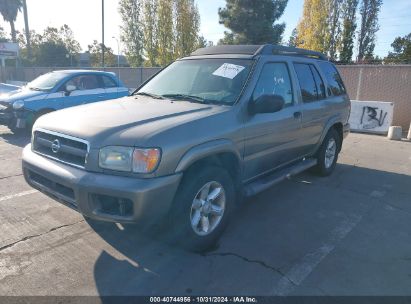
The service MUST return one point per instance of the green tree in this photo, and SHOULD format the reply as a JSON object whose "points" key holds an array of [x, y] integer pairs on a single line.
{"points": [[401, 52], [187, 26], [3, 37], [165, 34], [349, 26], [67, 37], [202, 42], [292, 42], [252, 22], [131, 30], [369, 26], [59, 45], [333, 32], [95, 50], [51, 54], [9, 10], [150, 32]]}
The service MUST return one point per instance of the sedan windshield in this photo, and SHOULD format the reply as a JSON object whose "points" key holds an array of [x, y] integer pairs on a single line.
{"points": [[217, 81], [46, 82]]}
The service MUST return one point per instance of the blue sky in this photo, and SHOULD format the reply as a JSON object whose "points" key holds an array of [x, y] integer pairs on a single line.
{"points": [[395, 19]]}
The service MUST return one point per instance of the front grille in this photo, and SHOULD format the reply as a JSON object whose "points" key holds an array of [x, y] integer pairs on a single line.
{"points": [[60, 147]]}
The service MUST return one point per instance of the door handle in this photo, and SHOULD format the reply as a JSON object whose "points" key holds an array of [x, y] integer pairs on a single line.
{"points": [[297, 115]]}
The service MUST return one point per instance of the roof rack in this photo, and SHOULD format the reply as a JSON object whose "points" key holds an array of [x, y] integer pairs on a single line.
{"points": [[269, 49], [254, 50]]}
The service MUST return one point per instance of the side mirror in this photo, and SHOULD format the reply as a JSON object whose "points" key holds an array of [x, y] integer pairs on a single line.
{"points": [[266, 104], [70, 88]]}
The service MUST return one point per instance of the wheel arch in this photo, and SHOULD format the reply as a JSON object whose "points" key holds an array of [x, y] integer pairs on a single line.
{"points": [[221, 153], [334, 123]]}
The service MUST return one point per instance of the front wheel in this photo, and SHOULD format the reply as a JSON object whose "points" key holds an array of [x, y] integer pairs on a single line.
{"points": [[202, 207], [327, 154]]}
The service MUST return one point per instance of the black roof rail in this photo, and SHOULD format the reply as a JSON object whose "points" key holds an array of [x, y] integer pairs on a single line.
{"points": [[254, 50], [270, 49]]}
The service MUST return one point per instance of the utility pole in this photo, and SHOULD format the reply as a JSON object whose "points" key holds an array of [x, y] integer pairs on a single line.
{"points": [[26, 25], [102, 33]]}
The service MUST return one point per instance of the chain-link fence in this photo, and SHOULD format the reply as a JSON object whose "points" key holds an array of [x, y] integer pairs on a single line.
{"points": [[381, 83]]}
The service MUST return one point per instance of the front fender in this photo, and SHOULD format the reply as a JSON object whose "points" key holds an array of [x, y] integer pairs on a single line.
{"points": [[204, 150]]}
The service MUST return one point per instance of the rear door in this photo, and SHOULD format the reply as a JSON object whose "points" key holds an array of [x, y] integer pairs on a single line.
{"points": [[271, 139], [111, 87], [315, 112]]}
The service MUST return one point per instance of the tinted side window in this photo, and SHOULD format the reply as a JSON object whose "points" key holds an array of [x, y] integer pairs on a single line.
{"points": [[85, 82], [108, 82], [334, 80], [275, 80], [319, 82], [307, 82]]}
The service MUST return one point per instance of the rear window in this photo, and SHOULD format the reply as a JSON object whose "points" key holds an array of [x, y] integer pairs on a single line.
{"points": [[335, 83]]}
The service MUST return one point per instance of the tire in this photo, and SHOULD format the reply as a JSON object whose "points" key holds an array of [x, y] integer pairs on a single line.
{"points": [[327, 154], [211, 214]]}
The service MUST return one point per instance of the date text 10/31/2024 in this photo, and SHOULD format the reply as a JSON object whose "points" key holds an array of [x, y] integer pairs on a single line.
{"points": [[203, 300]]}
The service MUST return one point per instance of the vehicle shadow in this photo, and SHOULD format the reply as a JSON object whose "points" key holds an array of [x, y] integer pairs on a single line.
{"points": [[266, 237], [19, 140]]}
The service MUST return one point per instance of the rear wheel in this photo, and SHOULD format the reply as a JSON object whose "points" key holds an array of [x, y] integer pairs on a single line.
{"points": [[327, 154], [202, 208]]}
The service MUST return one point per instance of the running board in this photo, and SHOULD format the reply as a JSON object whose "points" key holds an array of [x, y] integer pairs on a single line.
{"points": [[278, 176]]}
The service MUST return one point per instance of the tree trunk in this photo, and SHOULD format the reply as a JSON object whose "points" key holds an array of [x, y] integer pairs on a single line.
{"points": [[26, 25], [13, 32]]}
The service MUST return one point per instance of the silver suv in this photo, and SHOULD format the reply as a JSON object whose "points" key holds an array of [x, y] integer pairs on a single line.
{"points": [[190, 143]]}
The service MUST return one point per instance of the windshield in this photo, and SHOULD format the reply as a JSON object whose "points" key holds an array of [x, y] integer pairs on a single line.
{"points": [[46, 82], [200, 80]]}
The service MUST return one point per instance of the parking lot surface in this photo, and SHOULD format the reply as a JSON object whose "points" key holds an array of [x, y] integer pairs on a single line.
{"points": [[348, 234]]}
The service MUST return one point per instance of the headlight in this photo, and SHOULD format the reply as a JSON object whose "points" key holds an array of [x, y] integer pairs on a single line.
{"points": [[129, 159], [18, 104]]}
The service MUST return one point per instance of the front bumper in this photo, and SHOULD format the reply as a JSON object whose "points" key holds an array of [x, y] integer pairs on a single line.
{"points": [[101, 196], [5, 117], [16, 119]]}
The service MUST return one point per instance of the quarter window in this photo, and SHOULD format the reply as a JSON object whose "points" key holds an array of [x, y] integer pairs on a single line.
{"points": [[334, 80], [275, 80], [319, 83]]}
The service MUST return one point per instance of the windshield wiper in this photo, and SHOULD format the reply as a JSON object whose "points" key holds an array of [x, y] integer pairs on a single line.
{"points": [[149, 94], [192, 98], [36, 89]]}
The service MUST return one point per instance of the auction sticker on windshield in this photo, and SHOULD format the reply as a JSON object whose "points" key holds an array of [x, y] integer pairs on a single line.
{"points": [[228, 70]]}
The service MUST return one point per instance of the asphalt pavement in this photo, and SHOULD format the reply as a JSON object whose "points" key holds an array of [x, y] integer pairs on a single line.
{"points": [[348, 234]]}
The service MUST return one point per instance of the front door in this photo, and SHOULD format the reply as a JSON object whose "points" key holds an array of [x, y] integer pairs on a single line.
{"points": [[272, 139], [89, 89]]}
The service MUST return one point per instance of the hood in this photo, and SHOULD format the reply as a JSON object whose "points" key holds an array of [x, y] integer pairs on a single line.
{"points": [[21, 94], [125, 121]]}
